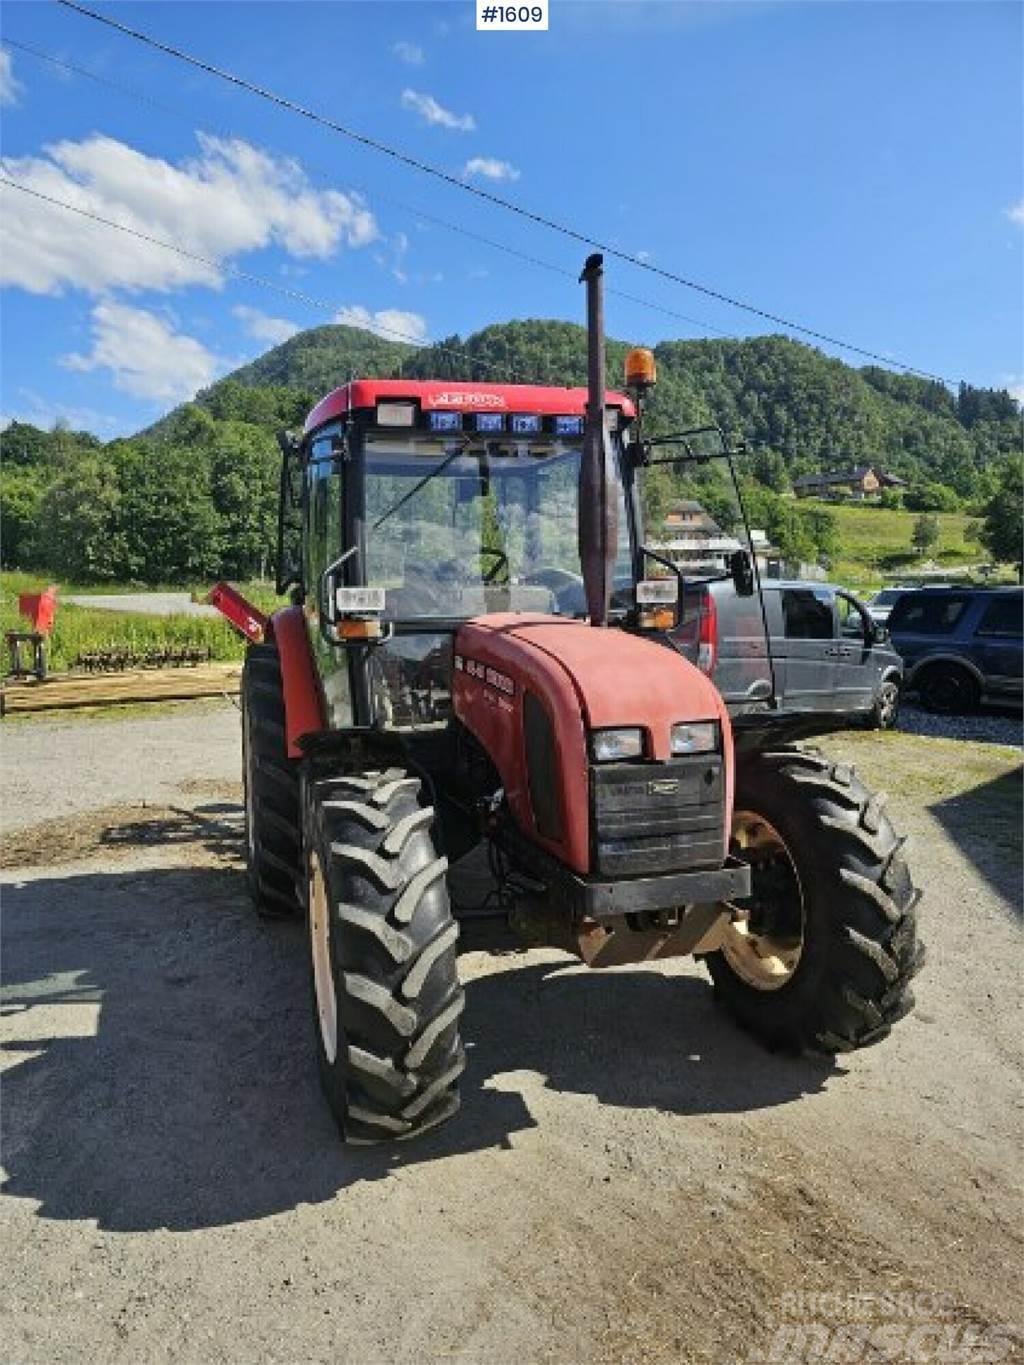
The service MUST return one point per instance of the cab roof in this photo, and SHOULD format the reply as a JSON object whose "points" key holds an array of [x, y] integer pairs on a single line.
{"points": [[444, 395]]}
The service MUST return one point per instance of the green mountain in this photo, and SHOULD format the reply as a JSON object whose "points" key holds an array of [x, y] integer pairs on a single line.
{"points": [[207, 506], [779, 395]]}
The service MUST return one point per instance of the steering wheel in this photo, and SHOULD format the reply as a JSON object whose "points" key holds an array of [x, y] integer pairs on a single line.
{"points": [[500, 562], [565, 587]]}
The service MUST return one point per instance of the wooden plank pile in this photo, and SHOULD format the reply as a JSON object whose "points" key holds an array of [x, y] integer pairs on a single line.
{"points": [[113, 689]]}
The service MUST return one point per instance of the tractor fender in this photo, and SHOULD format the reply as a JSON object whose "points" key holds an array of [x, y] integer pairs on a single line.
{"points": [[303, 704]]}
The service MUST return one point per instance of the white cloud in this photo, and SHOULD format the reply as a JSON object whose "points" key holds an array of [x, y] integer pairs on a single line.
{"points": [[230, 199], [393, 324], [1015, 212], [263, 327], [400, 247], [10, 88], [145, 356], [409, 53], [490, 168], [428, 108]]}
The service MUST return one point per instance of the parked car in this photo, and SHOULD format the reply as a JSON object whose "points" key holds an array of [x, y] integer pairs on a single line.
{"points": [[960, 646], [828, 655], [883, 602]]}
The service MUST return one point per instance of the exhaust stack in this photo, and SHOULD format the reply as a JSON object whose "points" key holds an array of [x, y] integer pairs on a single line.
{"points": [[599, 478]]}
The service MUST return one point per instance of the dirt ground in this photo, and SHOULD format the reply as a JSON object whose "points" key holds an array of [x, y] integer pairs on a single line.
{"points": [[630, 1178]]}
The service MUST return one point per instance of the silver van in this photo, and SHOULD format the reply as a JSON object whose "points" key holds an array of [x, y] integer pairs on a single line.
{"points": [[827, 655]]}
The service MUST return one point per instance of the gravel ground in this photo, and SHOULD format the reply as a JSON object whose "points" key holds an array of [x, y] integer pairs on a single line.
{"points": [[987, 726], [630, 1179], [66, 764]]}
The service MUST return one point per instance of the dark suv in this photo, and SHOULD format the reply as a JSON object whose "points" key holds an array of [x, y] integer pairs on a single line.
{"points": [[829, 658], [960, 645]]}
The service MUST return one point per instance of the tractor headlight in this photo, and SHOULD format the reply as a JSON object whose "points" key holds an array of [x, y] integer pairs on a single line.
{"points": [[608, 745], [695, 737]]}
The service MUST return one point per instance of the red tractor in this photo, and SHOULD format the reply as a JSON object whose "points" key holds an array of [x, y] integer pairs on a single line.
{"points": [[481, 650]]}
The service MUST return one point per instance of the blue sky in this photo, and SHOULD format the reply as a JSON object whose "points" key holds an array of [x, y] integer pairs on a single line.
{"points": [[855, 167]]}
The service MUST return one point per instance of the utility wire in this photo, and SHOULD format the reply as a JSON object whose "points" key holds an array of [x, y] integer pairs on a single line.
{"points": [[323, 305], [488, 196], [537, 261]]}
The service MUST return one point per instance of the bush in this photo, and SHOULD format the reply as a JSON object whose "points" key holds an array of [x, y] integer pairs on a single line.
{"points": [[931, 497]]}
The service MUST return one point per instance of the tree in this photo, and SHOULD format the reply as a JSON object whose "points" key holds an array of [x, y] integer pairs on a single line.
{"points": [[169, 526], [20, 496], [891, 499], [244, 470], [926, 531], [769, 468], [1001, 528], [78, 531], [930, 497], [821, 524]]}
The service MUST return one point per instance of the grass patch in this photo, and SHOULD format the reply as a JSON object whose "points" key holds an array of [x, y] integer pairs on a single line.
{"points": [[876, 541], [79, 630]]}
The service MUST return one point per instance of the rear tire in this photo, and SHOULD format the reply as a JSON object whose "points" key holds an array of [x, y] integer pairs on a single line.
{"points": [[825, 960], [386, 994], [948, 690], [273, 842]]}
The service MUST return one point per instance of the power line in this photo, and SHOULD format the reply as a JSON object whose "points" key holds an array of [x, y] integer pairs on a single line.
{"points": [[488, 196], [537, 261], [322, 304]]}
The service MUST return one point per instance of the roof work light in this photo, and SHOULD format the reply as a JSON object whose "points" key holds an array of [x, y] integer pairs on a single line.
{"points": [[641, 371]]}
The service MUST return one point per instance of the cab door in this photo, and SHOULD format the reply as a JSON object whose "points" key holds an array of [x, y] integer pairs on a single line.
{"points": [[323, 543]]}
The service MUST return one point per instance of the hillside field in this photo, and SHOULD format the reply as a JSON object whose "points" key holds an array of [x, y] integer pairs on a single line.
{"points": [[875, 542]]}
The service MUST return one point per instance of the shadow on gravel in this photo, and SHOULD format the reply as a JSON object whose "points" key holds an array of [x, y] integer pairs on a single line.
{"points": [[218, 825], [984, 823], [179, 1088]]}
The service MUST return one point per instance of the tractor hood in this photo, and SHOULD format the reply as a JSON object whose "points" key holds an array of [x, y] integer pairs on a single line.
{"points": [[531, 688]]}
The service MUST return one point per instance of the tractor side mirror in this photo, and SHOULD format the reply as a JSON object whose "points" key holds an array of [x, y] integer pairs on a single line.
{"points": [[741, 568]]}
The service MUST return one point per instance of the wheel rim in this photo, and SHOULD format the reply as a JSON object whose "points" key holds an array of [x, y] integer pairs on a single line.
{"points": [[320, 945], [764, 941], [887, 704]]}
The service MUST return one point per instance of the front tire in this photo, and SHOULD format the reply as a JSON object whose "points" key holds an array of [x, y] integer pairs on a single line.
{"points": [[885, 711], [821, 956], [273, 846], [386, 994]]}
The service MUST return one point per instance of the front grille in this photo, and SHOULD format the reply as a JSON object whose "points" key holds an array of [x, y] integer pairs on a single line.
{"points": [[657, 817]]}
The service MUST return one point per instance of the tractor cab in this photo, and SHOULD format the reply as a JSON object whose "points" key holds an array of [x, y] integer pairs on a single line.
{"points": [[411, 507]]}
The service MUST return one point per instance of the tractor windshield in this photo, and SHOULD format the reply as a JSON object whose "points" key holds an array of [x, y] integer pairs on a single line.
{"points": [[458, 527]]}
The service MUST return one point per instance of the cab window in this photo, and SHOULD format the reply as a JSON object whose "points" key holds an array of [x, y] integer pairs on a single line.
{"points": [[323, 507]]}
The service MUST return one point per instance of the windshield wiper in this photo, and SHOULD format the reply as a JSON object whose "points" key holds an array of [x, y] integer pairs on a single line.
{"points": [[449, 459]]}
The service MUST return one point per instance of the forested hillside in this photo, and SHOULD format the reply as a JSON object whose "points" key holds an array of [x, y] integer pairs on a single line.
{"points": [[195, 495]]}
